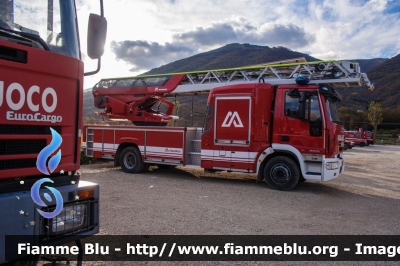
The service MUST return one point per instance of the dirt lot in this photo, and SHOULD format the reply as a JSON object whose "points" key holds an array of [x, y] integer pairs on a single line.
{"points": [[365, 200]]}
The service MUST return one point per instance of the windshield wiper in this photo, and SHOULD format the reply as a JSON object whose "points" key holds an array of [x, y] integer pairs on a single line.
{"points": [[26, 37]]}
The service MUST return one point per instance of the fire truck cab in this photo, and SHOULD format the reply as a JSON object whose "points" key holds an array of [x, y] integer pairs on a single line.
{"points": [[41, 85]]}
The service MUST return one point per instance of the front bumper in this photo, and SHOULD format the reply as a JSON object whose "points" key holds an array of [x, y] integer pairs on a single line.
{"points": [[21, 218], [329, 174]]}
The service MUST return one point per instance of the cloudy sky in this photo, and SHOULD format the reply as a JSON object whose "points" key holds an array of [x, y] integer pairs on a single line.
{"points": [[144, 34]]}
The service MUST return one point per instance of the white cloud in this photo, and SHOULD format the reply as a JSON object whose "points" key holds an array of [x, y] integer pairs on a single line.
{"points": [[145, 55]]}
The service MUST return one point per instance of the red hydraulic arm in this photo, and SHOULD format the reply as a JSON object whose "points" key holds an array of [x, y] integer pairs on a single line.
{"points": [[136, 99]]}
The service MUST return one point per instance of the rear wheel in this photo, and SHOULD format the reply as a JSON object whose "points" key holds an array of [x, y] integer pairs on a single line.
{"points": [[131, 161], [346, 147], [362, 144], [281, 173]]}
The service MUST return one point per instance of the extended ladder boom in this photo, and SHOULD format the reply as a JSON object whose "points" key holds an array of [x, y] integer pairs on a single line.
{"points": [[122, 95], [335, 73]]}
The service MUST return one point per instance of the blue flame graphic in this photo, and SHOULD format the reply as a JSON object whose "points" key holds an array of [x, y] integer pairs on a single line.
{"points": [[47, 151], [36, 198]]}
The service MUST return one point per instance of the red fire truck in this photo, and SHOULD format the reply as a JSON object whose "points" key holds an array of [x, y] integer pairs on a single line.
{"points": [[368, 136], [266, 120], [356, 137], [41, 84]]}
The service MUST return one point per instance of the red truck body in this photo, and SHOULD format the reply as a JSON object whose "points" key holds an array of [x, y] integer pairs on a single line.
{"points": [[31, 102], [356, 137], [368, 136], [41, 92], [249, 127]]}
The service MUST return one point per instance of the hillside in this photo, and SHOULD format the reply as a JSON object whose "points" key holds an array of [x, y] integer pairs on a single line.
{"points": [[368, 64], [231, 55], [386, 80]]}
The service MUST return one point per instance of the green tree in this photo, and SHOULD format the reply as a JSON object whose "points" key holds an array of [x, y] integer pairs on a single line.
{"points": [[375, 115]]}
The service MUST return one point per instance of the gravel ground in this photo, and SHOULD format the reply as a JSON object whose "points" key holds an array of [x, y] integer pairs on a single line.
{"points": [[364, 200]]}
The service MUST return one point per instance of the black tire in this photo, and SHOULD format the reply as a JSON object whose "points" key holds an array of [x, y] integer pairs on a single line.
{"points": [[131, 161], [281, 173], [345, 147], [362, 144]]}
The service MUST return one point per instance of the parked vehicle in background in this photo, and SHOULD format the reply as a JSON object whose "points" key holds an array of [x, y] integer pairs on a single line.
{"points": [[355, 137], [348, 144], [368, 136]]}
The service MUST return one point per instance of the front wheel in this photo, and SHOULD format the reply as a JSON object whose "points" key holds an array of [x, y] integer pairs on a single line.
{"points": [[281, 173], [362, 144], [131, 161]]}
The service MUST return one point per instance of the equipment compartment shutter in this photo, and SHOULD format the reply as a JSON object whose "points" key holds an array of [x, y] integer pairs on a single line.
{"points": [[233, 120]]}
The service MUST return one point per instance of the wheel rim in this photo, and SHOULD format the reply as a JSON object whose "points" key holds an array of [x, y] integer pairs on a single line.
{"points": [[280, 174], [129, 160]]}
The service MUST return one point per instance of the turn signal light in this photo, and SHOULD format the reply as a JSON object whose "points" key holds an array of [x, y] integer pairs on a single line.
{"points": [[86, 193]]}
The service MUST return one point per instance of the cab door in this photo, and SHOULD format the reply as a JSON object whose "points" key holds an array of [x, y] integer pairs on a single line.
{"points": [[302, 125]]}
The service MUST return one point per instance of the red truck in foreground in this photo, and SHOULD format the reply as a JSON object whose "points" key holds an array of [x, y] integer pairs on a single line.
{"points": [[41, 84], [284, 132]]}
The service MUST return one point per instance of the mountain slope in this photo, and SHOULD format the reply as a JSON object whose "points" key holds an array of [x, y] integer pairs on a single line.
{"points": [[386, 80], [368, 64], [231, 55]]}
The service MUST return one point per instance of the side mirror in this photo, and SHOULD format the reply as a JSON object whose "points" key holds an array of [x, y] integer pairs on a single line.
{"points": [[96, 38], [294, 93]]}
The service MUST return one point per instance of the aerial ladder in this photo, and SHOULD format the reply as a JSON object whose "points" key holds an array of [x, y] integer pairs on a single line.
{"points": [[138, 99]]}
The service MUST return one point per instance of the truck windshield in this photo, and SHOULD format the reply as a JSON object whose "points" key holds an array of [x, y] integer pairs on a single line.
{"points": [[332, 110], [46, 24]]}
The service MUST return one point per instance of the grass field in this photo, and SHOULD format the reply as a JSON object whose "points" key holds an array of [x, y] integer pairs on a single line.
{"points": [[386, 138]]}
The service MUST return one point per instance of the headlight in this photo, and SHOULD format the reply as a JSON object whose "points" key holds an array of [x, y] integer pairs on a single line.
{"points": [[71, 218], [332, 166]]}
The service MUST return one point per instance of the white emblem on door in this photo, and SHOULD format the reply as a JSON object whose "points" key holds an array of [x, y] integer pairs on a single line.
{"points": [[232, 118]]}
